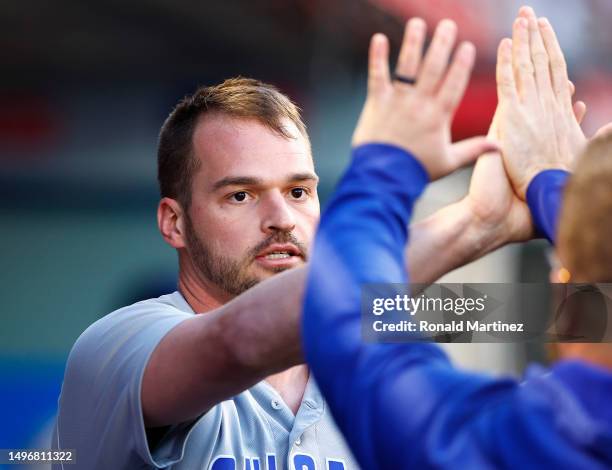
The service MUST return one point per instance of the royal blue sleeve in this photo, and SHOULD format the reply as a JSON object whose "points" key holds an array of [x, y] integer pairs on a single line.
{"points": [[404, 405], [544, 197]]}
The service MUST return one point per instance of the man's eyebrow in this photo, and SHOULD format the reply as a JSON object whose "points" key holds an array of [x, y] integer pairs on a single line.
{"points": [[237, 181], [252, 181], [296, 178]]}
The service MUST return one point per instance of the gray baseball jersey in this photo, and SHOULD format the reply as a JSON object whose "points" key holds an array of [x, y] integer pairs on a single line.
{"points": [[100, 411]]}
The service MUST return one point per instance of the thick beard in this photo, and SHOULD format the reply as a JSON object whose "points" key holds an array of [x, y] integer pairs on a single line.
{"points": [[228, 274]]}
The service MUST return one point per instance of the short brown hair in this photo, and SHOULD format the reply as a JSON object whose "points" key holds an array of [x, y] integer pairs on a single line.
{"points": [[237, 97], [585, 227]]}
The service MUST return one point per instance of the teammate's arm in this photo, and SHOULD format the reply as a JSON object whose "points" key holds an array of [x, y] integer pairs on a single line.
{"points": [[404, 405], [370, 388], [454, 236]]}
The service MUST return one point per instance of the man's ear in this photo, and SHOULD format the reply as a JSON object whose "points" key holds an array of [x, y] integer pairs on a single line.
{"points": [[171, 222]]}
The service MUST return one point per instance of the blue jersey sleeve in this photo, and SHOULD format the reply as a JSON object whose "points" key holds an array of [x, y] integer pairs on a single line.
{"points": [[404, 405], [544, 197]]}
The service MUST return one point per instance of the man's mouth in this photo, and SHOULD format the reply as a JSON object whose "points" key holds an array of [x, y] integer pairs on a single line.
{"points": [[279, 251], [279, 255]]}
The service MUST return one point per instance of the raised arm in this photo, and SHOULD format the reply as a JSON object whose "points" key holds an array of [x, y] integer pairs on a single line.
{"points": [[384, 397], [404, 405]]}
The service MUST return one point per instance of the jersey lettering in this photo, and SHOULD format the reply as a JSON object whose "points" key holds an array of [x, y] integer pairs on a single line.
{"points": [[223, 463], [303, 462], [300, 462], [335, 464], [271, 459]]}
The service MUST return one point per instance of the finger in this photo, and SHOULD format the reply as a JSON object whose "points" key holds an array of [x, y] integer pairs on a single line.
{"points": [[539, 58], [580, 109], [436, 59], [558, 65], [604, 130], [457, 78], [521, 59], [526, 12], [412, 48], [378, 64], [466, 151], [572, 87], [506, 86]]}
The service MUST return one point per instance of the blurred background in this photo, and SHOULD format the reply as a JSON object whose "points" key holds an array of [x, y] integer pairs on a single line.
{"points": [[85, 87]]}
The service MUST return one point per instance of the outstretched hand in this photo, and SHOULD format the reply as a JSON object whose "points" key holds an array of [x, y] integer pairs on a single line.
{"points": [[491, 200], [538, 125], [417, 116]]}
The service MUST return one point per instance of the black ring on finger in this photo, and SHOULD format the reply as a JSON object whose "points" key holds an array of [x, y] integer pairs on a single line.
{"points": [[403, 79]]}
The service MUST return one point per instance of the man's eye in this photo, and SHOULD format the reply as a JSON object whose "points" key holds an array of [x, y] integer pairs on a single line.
{"points": [[239, 196], [298, 193]]}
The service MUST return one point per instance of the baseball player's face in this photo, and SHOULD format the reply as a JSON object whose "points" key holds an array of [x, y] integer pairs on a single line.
{"points": [[254, 202]]}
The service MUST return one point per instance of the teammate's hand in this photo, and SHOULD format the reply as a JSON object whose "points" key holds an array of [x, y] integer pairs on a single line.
{"points": [[491, 200], [538, 125], [417, 116], [493, 206]]}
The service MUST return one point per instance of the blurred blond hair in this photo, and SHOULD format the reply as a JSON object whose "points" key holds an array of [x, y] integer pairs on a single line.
{"points": [[585, 226]]}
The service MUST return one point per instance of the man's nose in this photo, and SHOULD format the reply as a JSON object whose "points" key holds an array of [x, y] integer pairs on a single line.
{"points": [[277, 214]]}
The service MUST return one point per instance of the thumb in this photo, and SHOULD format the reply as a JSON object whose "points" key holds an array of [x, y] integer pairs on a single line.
{"points": [[468, 150], [580, 109]]}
